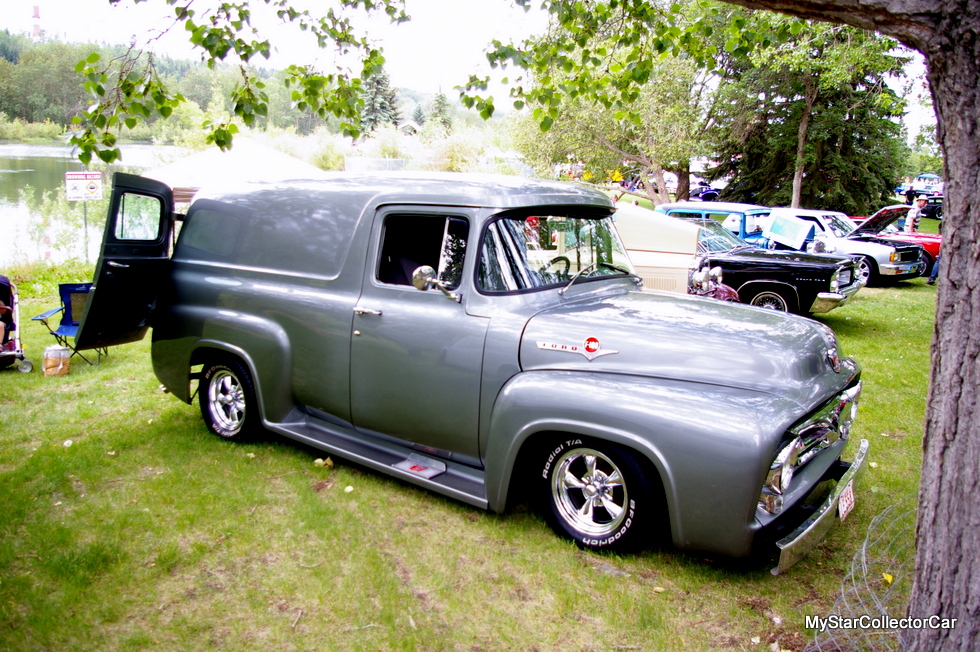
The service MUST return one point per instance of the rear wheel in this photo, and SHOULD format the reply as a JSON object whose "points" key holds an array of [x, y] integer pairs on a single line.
{"points": [[771, 299], [227, 397], [599, 495]]}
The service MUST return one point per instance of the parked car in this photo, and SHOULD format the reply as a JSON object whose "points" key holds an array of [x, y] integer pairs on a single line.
{"points": [[485, 338], [831, 231], [704, 192], [884, 224], [933, 207], [744, 220], [666, 248]]}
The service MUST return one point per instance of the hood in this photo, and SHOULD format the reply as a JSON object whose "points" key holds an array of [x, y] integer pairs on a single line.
{"points": [[783, 257], [881, 219], [688, 339]]}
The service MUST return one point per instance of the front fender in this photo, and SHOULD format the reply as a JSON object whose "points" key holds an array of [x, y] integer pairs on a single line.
{"points": [[711, 445]]}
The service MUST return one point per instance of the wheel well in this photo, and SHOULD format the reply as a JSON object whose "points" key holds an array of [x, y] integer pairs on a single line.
{"points": [[750, 290], [929, 260], [535, 447], [204, 356]]}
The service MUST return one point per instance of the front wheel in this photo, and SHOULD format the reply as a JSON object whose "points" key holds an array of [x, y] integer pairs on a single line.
{"points": [[598, 495], [867, 271], [770, 299], [227, 398], [927, 259]]}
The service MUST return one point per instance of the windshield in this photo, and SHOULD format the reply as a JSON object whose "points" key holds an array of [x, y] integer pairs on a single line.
{"points": [[713, 237], [838, 224], [524, 252]]}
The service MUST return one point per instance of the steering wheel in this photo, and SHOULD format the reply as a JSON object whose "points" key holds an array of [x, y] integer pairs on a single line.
{"points": [[558, 259]]}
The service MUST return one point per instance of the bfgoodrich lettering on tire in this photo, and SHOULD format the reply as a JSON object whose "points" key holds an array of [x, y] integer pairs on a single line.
{"points": [[598, 495], [227, 398]]}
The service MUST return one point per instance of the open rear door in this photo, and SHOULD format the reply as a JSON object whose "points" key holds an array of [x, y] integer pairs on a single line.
{"points": [[133, 264]]}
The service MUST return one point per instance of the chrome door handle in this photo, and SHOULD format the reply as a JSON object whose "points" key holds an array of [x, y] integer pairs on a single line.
{"points": [[112, 263], [366, 311]]}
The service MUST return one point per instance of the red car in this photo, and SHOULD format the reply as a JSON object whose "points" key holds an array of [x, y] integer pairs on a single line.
{"points": [[885, 224]]}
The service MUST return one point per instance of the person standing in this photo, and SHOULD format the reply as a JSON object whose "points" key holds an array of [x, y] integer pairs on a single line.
{"points": [[914, 215]]}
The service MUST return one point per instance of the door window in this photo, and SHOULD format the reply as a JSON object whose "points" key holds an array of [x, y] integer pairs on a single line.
{"points": [[138, 218], [411, 241]]}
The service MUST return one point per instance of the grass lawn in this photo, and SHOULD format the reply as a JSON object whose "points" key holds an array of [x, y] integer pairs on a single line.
{"points": [[126, 526]]}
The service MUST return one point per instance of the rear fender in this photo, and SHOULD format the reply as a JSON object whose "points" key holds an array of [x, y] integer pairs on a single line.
{"points": [[261, 344]]}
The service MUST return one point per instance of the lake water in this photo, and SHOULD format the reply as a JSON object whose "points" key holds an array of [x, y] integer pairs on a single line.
{"points": [[43, 168]]}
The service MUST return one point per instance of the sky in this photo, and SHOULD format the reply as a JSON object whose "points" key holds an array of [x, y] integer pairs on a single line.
{"points": [[437, 50]]}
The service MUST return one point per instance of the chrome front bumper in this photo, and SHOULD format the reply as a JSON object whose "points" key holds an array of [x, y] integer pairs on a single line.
{"points": [[901, 269], [827, 301], [803, 539]]}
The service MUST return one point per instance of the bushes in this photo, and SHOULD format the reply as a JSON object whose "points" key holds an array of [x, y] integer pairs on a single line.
{"points": [[17, 129], [40, 280]]}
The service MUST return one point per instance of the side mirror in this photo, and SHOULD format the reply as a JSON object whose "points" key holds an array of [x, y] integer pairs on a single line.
{"points": [[424, 278]]}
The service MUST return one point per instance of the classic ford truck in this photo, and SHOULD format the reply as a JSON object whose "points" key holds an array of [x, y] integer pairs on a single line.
{"points": [[486, 338]]}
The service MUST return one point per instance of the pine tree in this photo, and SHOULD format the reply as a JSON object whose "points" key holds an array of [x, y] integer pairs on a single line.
{"points": [[441, 112], [380, 104], [418, 115]]}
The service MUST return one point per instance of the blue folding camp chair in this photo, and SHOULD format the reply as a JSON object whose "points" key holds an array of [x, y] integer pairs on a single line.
{"points": [[73, 299]]}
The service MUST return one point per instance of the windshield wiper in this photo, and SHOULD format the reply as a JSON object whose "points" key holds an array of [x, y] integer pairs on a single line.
{"points": [[622, 270], [561, 292]]}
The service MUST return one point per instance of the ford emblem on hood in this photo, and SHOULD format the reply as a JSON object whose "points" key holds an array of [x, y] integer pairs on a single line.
{"points": [[590, 348]]}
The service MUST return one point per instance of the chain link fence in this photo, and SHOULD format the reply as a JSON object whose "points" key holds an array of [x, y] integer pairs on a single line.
{"points": [[876, 588]]}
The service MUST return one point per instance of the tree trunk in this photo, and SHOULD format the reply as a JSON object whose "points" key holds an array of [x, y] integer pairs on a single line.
{"points": [[810, 99], [656, 187], [947, 582], [683, 173], [947, 579]]}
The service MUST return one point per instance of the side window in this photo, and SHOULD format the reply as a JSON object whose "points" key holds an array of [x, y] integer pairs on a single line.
{"points": [[138, 218], [208, 233], [409, 241], [686, 214], [812, 220]]}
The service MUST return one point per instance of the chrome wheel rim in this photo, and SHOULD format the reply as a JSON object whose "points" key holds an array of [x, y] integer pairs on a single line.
{"points": [[589, 492], [864, 271], [770, 300], [226, 399]]}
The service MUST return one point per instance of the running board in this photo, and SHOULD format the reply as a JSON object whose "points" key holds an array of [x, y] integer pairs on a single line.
{"points": [[464, 483]]}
